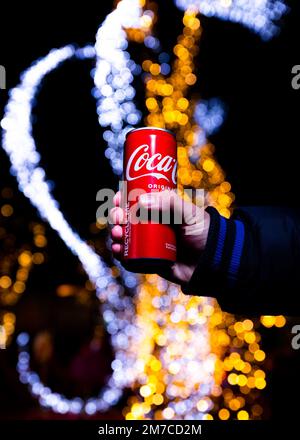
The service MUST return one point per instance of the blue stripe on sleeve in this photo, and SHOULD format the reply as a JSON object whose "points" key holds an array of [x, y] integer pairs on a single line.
{"points": [[237, 250], [220, 243]]}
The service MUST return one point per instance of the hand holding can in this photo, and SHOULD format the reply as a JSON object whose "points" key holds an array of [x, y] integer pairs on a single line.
{"points": [[150, 166]]}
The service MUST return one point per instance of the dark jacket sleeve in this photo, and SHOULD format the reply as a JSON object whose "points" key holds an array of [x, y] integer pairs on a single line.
{"points": [[251, 262]]}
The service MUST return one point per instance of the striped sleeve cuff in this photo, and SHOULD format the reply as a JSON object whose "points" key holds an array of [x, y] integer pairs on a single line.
{"points": [[219, 265]]}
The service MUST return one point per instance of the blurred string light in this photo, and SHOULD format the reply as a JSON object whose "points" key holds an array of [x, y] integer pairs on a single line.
{"points": [[14, 273], [273, 321], [159, 376], [210, 116], [20, 146], [16, 263], [113, 78], [57, 402], [159, 349], [118, 310], [260, 16], [232, 348]]}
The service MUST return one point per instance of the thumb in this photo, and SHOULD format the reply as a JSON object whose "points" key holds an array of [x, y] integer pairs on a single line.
{"points": [[172, 206]]}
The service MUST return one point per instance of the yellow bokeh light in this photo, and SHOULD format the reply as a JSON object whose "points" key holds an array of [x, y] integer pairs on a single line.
{"points": [[5, 282], [234, 404], [40, 240], [9, 318], [25, 259], [208, 165], [146, 65], [232, 379], [155, 364], [208, 417], [38, 258], [239, 327], [190, 79], [243, 415], [151, 104], [259, 355], [250, 337], [182, 104], [260, 383], [251, 382], [268, 321], [19, 287], [137, 410], [260, 373], [225, 187], [7, 210], [246, 368], [248, 324], [154, 69], [157, 399], [224, 200], [257, 410], [280, 321], [242, 380], [224, 414]]}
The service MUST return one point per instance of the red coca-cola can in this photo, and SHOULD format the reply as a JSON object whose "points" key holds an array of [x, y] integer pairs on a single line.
{"points": [[150, 165]]}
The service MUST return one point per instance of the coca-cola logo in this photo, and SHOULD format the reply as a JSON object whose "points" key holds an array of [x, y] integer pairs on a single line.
{"points": [[155, 165]]}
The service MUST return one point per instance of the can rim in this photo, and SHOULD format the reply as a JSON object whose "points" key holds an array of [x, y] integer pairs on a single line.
{"points": [[151, 128]]}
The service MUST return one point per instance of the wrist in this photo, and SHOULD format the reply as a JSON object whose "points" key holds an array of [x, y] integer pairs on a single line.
{"points": [[220, 260]]}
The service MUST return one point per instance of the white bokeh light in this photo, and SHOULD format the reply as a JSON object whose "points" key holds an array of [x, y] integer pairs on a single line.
{"points": [[261, 16], [18, 142]]}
